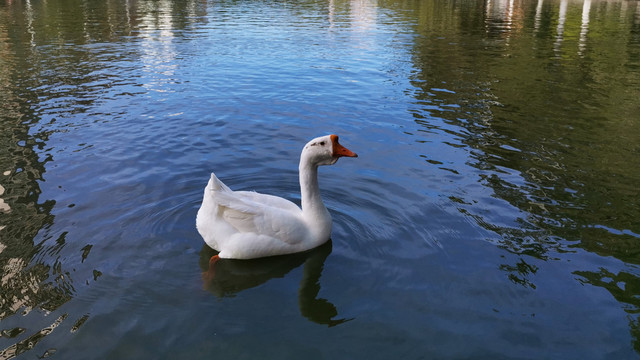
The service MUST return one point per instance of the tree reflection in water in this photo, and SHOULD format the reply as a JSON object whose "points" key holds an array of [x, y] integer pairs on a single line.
{"points": [[561, 160]]}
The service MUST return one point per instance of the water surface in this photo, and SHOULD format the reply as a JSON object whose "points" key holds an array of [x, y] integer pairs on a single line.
{"points": [[492, 212]]}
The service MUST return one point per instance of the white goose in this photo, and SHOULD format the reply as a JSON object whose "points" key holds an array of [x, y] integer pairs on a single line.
{"points": [[247, 225]]}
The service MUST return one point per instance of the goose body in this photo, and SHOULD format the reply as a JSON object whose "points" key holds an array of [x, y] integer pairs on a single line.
{"points": [[247, 225]]}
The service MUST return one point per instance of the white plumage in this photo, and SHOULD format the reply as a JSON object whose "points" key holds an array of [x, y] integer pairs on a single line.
{"points": [[246, 225]]}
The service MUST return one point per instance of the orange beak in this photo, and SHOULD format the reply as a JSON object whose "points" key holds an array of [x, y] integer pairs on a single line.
{"points": [[339, 150]]}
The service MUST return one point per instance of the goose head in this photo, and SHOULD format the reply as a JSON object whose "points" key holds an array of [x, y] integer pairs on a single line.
{"points": [[325, 150]]}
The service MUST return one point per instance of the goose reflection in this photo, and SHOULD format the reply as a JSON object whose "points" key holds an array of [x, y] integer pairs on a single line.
{"points": [[227, 277]]}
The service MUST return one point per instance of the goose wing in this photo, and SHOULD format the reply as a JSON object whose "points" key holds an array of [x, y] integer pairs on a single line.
{"points": [[261, 214]]}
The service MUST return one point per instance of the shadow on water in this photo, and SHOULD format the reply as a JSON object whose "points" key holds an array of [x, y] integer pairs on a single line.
{"points": [[227, 277]]}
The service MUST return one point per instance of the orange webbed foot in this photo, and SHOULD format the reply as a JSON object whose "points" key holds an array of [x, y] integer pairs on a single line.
{"points": [[210, 274]]}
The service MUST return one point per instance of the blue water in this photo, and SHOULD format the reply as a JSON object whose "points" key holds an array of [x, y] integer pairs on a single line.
{"points": [[491, 213]]}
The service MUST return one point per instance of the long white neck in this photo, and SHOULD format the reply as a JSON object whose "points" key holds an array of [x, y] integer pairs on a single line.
{"points": [[313, 208]]}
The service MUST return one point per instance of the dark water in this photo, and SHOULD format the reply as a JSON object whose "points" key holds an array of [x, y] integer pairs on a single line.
{"points": [[492, 213]]}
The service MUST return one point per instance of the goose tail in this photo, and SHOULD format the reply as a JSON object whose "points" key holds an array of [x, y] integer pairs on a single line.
{"points": [[216, 185]]}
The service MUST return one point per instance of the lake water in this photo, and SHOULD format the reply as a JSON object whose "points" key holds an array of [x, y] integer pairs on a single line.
{"points": [[492, 212]]}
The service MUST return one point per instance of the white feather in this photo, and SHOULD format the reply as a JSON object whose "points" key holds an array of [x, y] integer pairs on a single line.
{"points": [[244, 225]]}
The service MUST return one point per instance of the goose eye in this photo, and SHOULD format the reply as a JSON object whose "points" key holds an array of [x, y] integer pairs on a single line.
{"points": [[321, 143]]}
